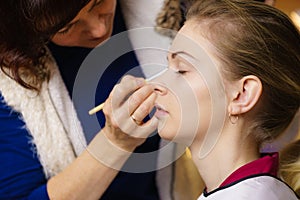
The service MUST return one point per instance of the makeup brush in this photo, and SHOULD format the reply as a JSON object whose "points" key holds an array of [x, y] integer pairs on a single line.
{"points": [[100, 107]]}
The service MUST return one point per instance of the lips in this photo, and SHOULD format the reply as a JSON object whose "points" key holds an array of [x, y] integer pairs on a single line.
{"points": [[160, 111]]}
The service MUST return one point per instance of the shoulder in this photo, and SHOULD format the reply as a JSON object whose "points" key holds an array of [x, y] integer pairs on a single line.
{"points": [[259, 187], [8, 117], [20, 169]]}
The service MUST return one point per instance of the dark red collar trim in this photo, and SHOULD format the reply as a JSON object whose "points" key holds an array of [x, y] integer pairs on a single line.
{"points": [[267, 164]]}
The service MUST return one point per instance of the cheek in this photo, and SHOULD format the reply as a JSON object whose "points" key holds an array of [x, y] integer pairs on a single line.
{"points": [[183, 119], [58, 39], [205, 109], [180, 125], [64, 39]]}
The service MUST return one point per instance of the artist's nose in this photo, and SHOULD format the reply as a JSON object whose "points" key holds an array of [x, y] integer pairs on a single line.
{"points": [[97, 27]]}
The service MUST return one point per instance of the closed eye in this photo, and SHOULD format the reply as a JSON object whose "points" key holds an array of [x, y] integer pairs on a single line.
{"points": [[181, 71], [67, 28], [64, 31]]}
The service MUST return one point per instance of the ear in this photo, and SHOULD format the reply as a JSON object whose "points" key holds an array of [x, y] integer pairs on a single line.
{"points": [[245, 95]]}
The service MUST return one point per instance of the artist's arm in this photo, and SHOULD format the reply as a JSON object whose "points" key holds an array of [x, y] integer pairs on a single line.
{"points": [[93, 171], [21, 174], [86, 178]]}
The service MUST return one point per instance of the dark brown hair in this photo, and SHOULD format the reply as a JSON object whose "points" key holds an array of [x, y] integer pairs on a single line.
{"points": [[25, 28], [252, 38]]}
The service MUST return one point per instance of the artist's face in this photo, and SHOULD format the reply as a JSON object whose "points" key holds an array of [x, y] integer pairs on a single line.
{"points": [[190, 72], [92, 25]]}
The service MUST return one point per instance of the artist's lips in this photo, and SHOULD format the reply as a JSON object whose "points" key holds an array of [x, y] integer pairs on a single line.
{"points": [[160, 111]]}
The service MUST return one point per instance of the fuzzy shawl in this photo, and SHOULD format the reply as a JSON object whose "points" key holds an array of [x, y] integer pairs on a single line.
{"points": [[50, 119]]}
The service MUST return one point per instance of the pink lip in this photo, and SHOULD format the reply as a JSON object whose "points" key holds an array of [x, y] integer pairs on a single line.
{"points": [[160, 112]]}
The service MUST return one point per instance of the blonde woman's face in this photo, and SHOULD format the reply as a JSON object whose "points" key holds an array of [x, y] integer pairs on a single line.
{"points": [[191, 96], [92, 25]]}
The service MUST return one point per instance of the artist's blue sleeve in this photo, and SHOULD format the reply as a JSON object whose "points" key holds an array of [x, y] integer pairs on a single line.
{"points": [[21, 173]]}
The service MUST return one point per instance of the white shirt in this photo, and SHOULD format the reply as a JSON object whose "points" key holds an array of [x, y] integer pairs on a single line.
{"points": [[255, 188]]}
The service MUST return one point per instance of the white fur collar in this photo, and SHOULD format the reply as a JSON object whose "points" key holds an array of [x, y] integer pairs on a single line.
{"points": [[50, 118]]}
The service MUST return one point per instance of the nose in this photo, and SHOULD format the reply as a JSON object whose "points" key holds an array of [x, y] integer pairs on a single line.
{"points": [[98, 27], [160, 89]]}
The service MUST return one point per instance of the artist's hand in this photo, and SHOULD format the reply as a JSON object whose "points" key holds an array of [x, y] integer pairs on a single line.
{"points": [[128, 104]]}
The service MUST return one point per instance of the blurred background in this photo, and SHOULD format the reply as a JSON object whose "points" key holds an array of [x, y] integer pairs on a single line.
{"points": [[291, 8]]}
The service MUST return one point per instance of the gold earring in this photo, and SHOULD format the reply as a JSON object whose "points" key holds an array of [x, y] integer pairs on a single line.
{"points": [[233, 118]]}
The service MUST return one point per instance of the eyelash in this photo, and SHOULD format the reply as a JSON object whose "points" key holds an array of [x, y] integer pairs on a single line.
{"points": [[64, 31], [181, 71]]}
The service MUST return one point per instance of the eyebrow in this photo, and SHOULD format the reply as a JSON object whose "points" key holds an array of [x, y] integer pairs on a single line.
{"points": [[174, 54]]}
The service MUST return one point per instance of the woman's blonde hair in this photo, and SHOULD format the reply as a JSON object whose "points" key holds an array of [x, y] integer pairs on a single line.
{"points": [[252, 38], [289, 169]]}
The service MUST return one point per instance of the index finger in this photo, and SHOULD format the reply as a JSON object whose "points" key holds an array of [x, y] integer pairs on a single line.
{"points": [[122, 91]]}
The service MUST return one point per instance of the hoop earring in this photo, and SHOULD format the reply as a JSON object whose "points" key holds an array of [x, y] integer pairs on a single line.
{"points": [[233, 118]]}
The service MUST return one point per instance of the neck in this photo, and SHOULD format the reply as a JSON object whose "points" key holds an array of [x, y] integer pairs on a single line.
{"points": [[230, 153]]}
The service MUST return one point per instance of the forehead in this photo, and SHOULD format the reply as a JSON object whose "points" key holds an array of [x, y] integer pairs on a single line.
{"points": [[198, 51], [190, 40]]}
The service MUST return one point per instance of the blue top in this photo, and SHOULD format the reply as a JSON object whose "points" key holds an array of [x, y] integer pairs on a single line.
{"points": [[21, 174]]}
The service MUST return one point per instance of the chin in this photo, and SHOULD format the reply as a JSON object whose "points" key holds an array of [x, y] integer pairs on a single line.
{"points": [[172, 134], [168, 137], [93, 44], [165, 132]]}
